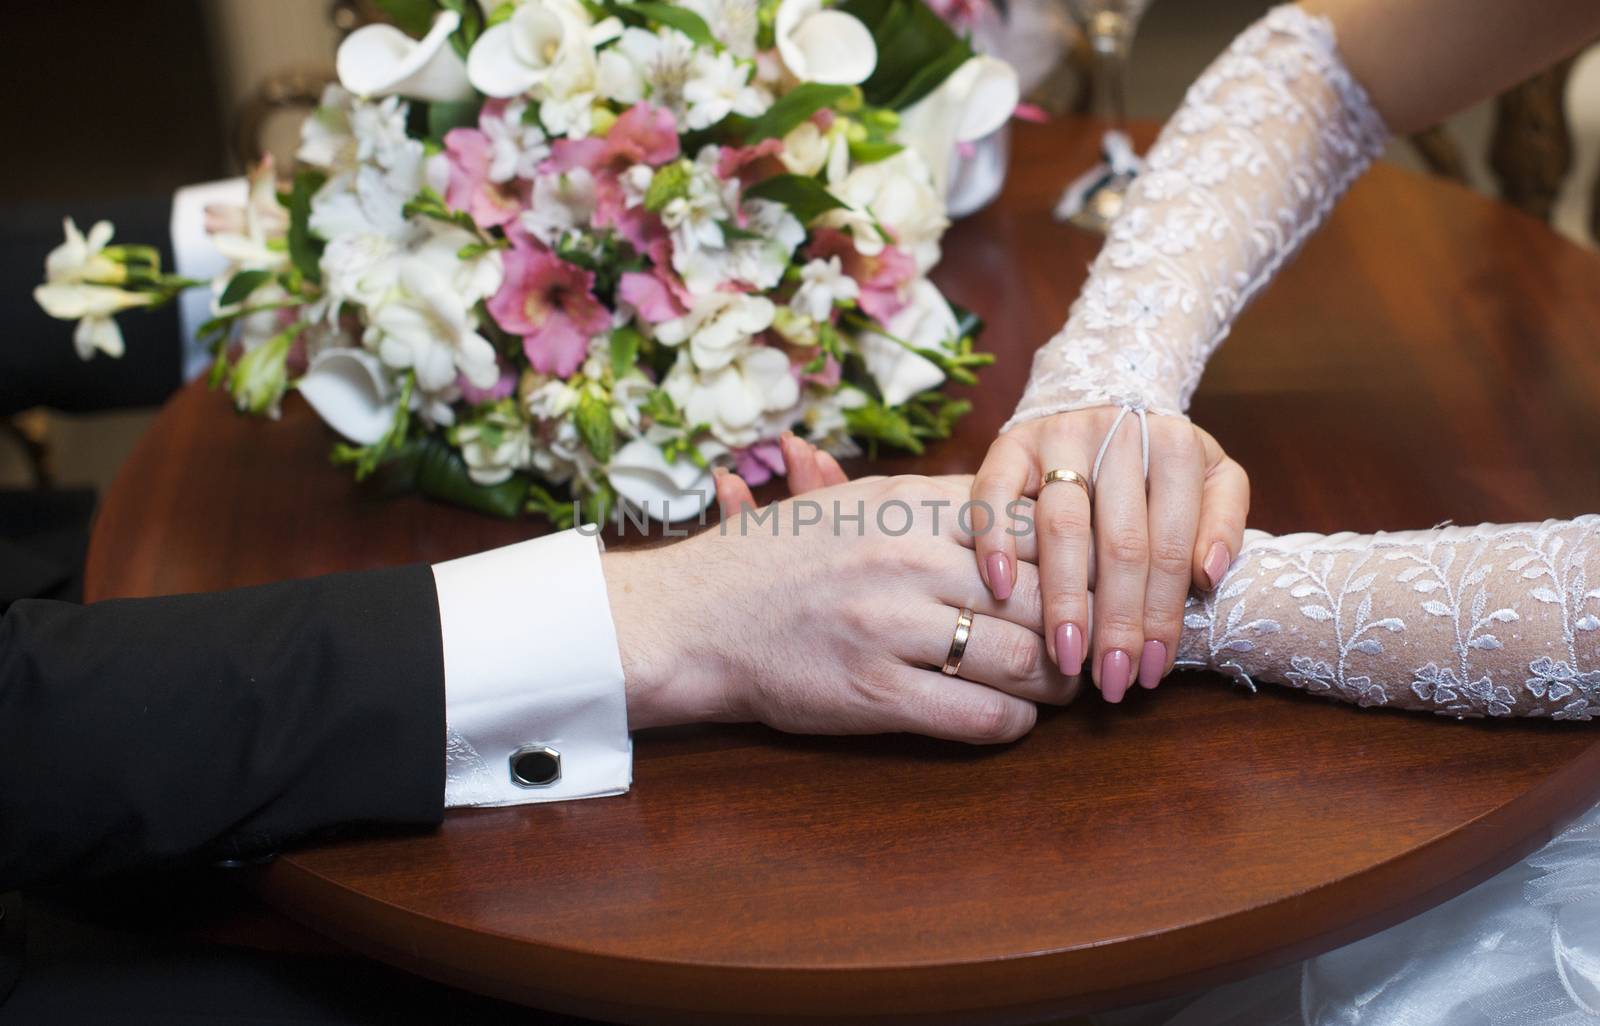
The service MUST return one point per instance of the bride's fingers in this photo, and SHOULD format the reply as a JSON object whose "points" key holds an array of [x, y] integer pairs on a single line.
{"points": [[800, 464], [733, 494], [1003, 477], [1224, 507], [832, 473]]}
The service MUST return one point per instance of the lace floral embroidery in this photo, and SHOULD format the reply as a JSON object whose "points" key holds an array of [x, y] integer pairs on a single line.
{"points": [[1261, 149], [1465, 622]]}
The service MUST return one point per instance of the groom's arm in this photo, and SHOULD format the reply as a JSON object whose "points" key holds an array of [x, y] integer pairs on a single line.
{"points": [[138, 733]]}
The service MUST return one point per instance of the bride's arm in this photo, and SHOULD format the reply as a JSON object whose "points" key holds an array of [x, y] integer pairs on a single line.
{"points": [[1423, 60], [1261, 149]]}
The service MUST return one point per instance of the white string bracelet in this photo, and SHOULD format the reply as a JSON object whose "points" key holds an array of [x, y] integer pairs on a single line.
{"points": [[1144, 441]]}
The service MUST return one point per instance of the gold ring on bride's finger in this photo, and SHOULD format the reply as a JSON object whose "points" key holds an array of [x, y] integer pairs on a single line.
{"points": [[958, 643], [1070, 476]]}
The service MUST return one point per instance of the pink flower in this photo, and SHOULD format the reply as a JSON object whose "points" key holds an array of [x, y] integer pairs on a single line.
{"points": [[503, 386], [649, 293], [880, 277], [589, 153], [636, 224], [551, 304], [828, 377], [757, 463], [644, 135], [470, 188], [751, 164]]}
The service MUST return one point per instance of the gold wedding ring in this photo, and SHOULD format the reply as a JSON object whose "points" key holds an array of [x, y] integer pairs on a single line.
{"points": [[1069, 476], [958, 643]]}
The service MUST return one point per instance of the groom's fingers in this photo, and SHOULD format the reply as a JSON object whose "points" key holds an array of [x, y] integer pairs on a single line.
{"points": [[832, 473], [931, 703], [998, 654]]}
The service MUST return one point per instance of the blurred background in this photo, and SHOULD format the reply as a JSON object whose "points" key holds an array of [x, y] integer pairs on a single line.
{"points": [[157, 96]]}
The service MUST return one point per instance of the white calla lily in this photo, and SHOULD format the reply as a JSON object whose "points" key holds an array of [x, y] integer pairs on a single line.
{"points": [[380, 60], [670, 492], [350, 391], [826, 46], [538, 40], [926, 322], [974, 102]]}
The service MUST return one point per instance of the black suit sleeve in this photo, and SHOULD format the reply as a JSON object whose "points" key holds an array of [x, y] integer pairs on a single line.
{"points": [[146, 732]]}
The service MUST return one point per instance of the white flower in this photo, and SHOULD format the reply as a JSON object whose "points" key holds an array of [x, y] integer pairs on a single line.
{"points": [[807, 150], [561, 203], [359, 268], [695, 219], [926, 322], [528, 49], [737, 400], [82, 257], [251, 237], [718, 328], [734, 23], [516, 146], [718, 86], [645, 64], [821, 45], [495, 446], [823, 283], [971, 103], [81, 285], [667, 491], [762, 261], [351, 391], [898, 194], [326, 138], [429, 328], [635, 184], [381, 60], [825, 421], [473, 278]]}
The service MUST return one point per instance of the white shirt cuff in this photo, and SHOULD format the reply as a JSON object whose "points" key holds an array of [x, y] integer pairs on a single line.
{"points": [[531, 666]]}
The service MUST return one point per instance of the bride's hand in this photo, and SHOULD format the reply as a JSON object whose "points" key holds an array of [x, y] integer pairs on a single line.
{"points": [[1150, 543]]}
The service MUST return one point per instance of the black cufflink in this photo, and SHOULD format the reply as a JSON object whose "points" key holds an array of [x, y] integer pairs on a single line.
{"points": [[535, 766]]}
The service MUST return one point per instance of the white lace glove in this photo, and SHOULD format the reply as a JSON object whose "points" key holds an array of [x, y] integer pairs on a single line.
{"points": [[1263, 146], [1481, 621]]}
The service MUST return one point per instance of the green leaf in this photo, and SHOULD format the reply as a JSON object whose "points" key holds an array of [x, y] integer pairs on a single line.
{"points": [[593, 419], [305, 249], [806, 198], [917, 50], [870, 152], [445, 115], [413, 17], [626, 342], [463, 38], [790, 110], [877, 423], [241, 285], [441, 474], [673, 16], [670, 182], [596, 507]]}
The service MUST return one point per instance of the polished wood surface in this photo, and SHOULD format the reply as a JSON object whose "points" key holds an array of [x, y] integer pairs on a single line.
{"points": [[1431, 356]]}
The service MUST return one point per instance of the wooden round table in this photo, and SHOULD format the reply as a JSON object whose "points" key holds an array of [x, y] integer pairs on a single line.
{"points": [[1431, 356]]}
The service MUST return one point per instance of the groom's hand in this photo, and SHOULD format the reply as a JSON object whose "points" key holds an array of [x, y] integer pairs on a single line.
{"points": [[832, 613]]}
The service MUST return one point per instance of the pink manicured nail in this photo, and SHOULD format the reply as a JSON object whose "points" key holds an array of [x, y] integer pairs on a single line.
{"points": [[999, 575], [1216, 563], [1069, 649], [1152, 662], [1114, 673]]}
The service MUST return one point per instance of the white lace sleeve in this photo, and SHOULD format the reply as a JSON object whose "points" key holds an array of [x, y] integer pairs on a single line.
{"points": [[1481, 621], [1263, 146]]}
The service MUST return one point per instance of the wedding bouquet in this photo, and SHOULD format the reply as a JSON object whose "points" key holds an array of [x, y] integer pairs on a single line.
{"points": [[565, 246]]}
